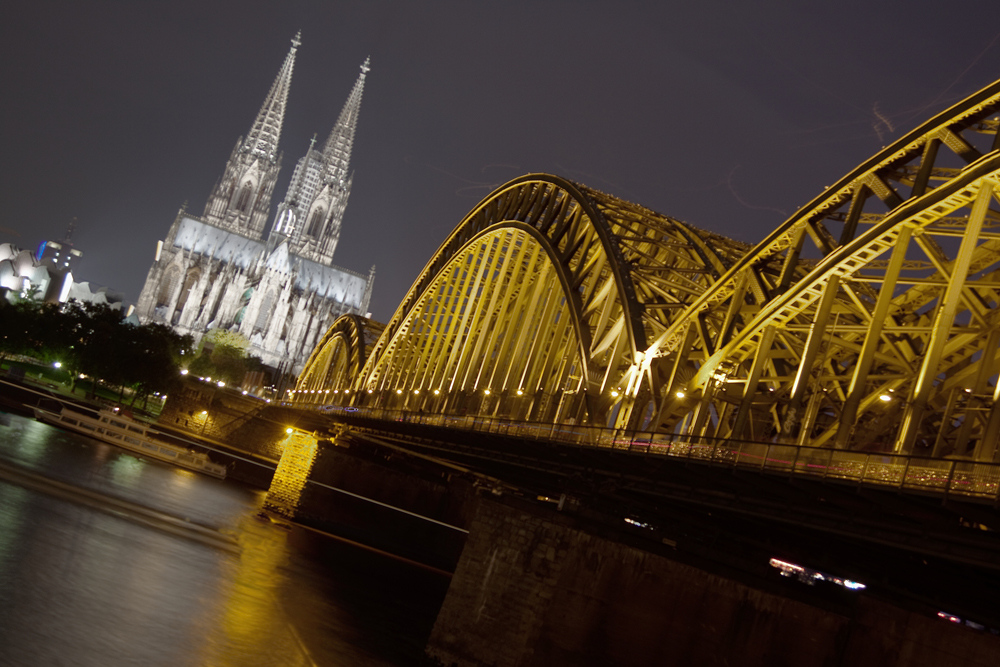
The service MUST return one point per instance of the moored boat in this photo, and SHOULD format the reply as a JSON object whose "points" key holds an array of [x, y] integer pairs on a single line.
{"points": [[117, 429]]}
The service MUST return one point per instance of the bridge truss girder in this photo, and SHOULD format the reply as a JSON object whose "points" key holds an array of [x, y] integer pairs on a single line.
{"points": [[868, 320], [878, 323], [336, 362], [545, 297]]}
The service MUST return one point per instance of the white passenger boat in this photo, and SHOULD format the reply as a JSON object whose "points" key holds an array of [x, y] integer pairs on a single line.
{"points": [[125, 432]]}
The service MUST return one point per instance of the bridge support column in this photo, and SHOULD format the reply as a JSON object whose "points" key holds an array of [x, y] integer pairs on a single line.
{"points": [[536, 587], [298, 455]]}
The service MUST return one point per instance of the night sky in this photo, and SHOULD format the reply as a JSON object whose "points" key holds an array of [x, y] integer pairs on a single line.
{"points": [[727, 115]]}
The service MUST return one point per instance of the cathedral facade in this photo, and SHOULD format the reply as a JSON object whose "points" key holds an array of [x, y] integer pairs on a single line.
{"points": [[281, 289]]}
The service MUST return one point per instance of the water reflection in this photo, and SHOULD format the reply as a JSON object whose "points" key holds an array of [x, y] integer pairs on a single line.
{"points": [[101, 582]]}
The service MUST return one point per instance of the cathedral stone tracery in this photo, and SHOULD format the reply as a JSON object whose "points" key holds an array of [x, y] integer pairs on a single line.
{"points": [[281, 291]]}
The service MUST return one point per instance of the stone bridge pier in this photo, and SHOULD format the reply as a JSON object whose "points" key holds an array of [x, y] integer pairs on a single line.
{"points": [[536, 588]]}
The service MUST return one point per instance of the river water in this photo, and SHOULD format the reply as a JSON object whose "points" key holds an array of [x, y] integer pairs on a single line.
{"points": [[109, 559]]}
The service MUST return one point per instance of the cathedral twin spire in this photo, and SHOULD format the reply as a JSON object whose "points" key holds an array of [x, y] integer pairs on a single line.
{"points": [[338, 146], [263, 138], [310, 215]]}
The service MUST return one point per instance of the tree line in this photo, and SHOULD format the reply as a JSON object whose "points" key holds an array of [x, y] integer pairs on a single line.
{"points": [[94, 340]]}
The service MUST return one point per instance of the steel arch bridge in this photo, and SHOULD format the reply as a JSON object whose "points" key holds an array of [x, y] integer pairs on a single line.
{"points": [[869, 320]]}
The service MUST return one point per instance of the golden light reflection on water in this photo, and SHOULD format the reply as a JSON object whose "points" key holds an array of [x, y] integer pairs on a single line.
{"points": [[101, 566], [254, 626]]}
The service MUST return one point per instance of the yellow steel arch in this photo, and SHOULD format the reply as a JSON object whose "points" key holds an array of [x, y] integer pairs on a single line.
{"points": [[869, 320], [540, 305], [875, 321], [334, 365]]}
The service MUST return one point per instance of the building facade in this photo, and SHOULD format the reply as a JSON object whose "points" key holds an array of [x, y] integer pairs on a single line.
{"points": [[281, 289]]}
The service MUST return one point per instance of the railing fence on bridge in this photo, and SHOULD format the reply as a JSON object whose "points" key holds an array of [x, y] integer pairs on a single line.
{"points": [[937, 476]]}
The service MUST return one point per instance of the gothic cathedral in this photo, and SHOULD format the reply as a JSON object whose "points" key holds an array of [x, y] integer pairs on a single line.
{"points": [[282, 292]]}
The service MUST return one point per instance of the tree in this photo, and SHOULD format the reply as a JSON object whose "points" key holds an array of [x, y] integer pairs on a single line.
{"points": [[94, 339], [223, 355]]}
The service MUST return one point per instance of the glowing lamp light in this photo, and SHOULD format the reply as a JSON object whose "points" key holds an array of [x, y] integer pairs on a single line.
{"points": [[245, 392], [487, 392], [289, 430], [57, 364], [399, 391], [614, 394], [885, 398], [184, 371], [221, 383], [204, 412], [680, 394], [520, 393], [437, 391]]}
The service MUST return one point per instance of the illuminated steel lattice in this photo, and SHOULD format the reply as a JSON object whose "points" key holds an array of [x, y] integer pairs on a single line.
{"points": [[868, 320], [337, 360]]}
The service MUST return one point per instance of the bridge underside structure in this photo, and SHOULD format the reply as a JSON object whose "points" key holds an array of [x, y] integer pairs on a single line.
{"points": [[867, 321]]}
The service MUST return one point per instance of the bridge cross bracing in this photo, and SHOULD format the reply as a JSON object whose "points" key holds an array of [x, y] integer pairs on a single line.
{"points": [[867, 322]]}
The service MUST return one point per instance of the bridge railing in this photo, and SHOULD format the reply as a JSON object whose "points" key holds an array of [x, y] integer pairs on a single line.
{"points": [[959, 477]]}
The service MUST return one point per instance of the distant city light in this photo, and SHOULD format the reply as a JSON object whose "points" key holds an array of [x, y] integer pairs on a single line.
{"points": [[807, 576], [640, 524]]}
